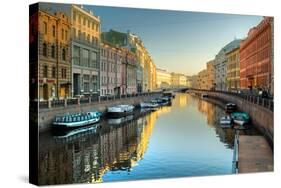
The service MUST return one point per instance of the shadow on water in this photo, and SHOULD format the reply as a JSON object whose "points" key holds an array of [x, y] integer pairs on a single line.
{"points": [[183, 139]]}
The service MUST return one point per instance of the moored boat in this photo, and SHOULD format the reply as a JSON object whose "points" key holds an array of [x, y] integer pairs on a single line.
{"points": [[149, 105], [241, 118], [170, 94], [120, 110], [76, 120], [226, 122], [230, 107]]}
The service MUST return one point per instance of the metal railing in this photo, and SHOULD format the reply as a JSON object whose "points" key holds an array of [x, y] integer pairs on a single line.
{"points": [[89, 100], [267, 103], [235, 154]]}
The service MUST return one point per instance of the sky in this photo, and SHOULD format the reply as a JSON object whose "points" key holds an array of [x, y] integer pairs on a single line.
{"points": [[178, 41]]}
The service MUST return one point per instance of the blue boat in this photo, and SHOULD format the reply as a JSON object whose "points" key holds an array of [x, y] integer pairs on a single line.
{"points": [[240, 118]]}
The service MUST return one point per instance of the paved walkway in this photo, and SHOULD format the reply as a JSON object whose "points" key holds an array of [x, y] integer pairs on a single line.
{"points": [[254, 155]]}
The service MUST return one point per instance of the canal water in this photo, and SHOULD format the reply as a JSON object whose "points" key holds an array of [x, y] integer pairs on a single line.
{"points": [[180, 140]]}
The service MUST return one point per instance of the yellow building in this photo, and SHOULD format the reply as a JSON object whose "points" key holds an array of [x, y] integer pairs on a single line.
{"points": [[188, 81], [163, 78], [85, 45], [54, 55], [233, 70], [145, 61], [178, 80], [202, 79], [153, 73], [210, 75]]}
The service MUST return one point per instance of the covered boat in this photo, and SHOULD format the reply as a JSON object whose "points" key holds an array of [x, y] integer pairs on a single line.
{"points": [[149, 105], [169, 94], [230, 107], [120, 110], [226, 122], [77, 120], [240, 118]]}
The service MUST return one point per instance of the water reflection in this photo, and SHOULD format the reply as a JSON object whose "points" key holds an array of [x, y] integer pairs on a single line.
{"points": [[179, 140]]}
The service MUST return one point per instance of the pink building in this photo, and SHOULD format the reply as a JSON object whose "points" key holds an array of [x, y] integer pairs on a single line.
{"points": [[110, 70]]}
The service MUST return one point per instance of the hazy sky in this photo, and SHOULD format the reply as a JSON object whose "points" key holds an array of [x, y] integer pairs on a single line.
{"points": [[178, 41]]}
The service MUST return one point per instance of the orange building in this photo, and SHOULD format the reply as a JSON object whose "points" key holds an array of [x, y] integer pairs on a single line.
{"points": [[256, 58], [54, 55]]}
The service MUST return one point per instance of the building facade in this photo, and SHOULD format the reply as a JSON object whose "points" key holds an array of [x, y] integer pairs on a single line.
{"points": [[188, 81], [194, 81], [233, 70], [178, 80], [54, 68], [220, 65], [110, 70], [202, 79], [139, 78], [210, 75], [135, 45], [163, 79], [129, 72], [85, 46], [256, 57]]}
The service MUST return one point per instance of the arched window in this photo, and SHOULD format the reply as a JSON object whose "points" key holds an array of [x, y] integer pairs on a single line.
{"points": [[45, 49], [53, 51], [63, 54]]}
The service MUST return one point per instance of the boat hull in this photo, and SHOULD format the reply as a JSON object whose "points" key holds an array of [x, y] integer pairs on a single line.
{"points": [[119, 114], [76, 124]]}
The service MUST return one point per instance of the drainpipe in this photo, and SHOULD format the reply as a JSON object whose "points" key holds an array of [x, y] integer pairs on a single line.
{"points": [[57, 58]]}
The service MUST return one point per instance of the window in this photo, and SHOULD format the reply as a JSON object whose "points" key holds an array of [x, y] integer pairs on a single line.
{"points": [[45, 49], [76, 55], [63, 54], [65, 35], [74, 32], [85, 57], [62, 34], [97, 28], [54, 31], [89, 23], [93, 25], [45, 71], [63, 73], [53, 72], [88, 38], [84, 36], [53, 51], [74, 16], [97, 41], [79, 19], [84, 21], [45, 28], [79, 34], [86, 83], [93, 59]]}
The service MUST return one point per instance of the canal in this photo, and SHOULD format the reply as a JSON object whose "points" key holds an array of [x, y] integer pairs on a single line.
{"points": [[180, 140]]}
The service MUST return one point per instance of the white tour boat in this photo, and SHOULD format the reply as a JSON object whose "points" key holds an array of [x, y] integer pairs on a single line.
{"points": [[76, 120], [120, 110]]}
